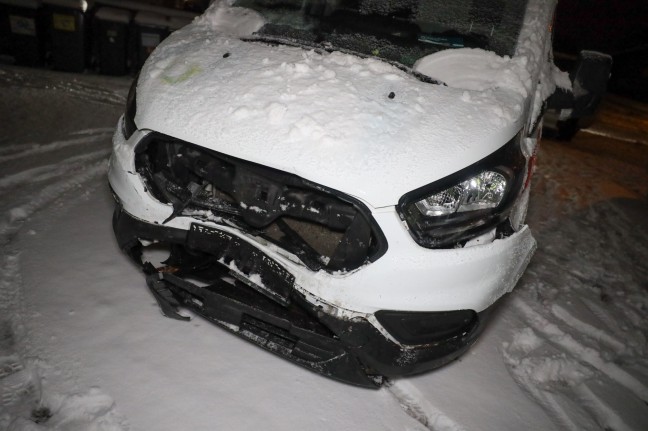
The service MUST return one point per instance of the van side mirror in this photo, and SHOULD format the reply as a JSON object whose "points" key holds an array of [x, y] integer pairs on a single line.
{"points": [[589, 78], [589, 82], [575, 109]]}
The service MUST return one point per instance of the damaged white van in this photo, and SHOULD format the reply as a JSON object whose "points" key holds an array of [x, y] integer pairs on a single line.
{"points": [[342, 182]]}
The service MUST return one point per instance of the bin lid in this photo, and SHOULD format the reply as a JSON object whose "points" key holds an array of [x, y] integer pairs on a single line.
{"points": [[177, 22], [113, 15], [151, 18], [27, 4], [135, 5], [81, 5]]}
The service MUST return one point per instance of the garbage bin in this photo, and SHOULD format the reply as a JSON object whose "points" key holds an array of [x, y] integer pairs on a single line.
{"points": [[66, 22], [151, 29], [111, 40], [20, 32]]}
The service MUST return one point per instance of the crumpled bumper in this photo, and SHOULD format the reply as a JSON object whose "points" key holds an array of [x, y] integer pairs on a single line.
{"points": [[275, 315]]}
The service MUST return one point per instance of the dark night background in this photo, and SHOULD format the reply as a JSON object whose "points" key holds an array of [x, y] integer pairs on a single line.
{"points": [[616, 27]]}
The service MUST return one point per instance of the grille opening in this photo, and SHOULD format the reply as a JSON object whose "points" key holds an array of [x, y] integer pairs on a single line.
{"points": [[323, 228], [322, 240]]}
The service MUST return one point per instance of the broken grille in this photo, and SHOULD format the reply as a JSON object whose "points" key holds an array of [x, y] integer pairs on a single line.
{"points": [[323, 228]]}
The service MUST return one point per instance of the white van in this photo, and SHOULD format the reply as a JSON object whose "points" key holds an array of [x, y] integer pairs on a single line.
{"points": [[342, 182]]}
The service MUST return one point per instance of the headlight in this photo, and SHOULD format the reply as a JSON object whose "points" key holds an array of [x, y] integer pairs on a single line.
{"points": [[484, 190], [128, 125], [467, 204]]}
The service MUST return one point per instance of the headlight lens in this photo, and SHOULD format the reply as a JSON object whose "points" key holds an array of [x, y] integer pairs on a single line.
{"points": [[467, 204], [128, 125], [484, 190]]}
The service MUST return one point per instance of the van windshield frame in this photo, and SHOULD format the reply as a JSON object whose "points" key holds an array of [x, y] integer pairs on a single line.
{"points": [[400, 31]]}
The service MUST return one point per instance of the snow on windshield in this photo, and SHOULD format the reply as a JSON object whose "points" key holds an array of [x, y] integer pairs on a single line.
{"points": [[397, 30]]}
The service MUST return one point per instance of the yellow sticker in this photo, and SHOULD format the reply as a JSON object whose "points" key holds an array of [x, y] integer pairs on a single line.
{"points": [[64, 22], [177, 78]]}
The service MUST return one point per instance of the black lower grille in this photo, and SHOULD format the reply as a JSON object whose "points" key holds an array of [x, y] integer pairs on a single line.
{"points": [[324, 228]]}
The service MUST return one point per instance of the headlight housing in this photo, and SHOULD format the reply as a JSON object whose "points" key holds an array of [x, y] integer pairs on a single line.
{"points": [[128, 125], [464, 205]]}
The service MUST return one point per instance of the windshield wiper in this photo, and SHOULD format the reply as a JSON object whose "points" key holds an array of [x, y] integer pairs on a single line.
{"points": [[324, 46]]}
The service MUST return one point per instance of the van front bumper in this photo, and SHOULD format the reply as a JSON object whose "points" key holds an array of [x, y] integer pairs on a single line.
{"points": [[282, 319]]}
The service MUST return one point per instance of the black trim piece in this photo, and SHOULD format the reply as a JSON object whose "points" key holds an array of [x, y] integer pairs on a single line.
{"points": [[413, 328], [455, 229], [384, 357], [128, 126], [320, 48]]}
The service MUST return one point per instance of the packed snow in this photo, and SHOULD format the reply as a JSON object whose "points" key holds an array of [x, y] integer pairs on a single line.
{"points": [[292, 99]]}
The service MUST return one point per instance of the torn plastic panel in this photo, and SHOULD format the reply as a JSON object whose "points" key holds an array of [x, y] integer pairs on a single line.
{"points": [[286, 331], [278, 317], [323, 228]]}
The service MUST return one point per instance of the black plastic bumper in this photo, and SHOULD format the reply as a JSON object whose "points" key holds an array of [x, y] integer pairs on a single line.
{"points": [[274, 315]]}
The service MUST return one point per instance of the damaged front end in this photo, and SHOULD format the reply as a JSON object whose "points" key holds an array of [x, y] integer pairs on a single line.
{"points": [[324, 229], [255, 298], [217, 268]]}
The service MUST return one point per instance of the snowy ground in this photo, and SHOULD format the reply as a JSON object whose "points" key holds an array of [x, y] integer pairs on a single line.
{"points": [[83, 346]]}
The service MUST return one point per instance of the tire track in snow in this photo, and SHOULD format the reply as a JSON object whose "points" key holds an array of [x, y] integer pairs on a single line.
{"points": [[526, 371], [19, 384], [17, 215], [52, 146], [95, 131], [602, 315], [584, 303], [16, 148], [23, 395], [569, 344], [81, 90], [587, 329], [415, 405], [46, 172], [601, 410]]}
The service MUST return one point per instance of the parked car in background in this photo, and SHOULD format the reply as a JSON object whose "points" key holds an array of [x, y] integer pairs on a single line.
{"points": [[343, 183]]}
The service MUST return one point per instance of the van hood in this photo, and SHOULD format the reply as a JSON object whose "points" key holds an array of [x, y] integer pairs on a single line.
{"points": [[357, 125]]}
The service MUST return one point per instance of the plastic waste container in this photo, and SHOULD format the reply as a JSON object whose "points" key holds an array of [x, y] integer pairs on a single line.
{"points": [[67, 30], [111, 27], [20, 33], [151, 29]]}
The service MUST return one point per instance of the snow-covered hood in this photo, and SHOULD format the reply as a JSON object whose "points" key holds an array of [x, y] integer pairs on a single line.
{"points": [[361, 126]]}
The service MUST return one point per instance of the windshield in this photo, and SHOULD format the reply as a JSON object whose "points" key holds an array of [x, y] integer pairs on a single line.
{"points": [[396, 30]]}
